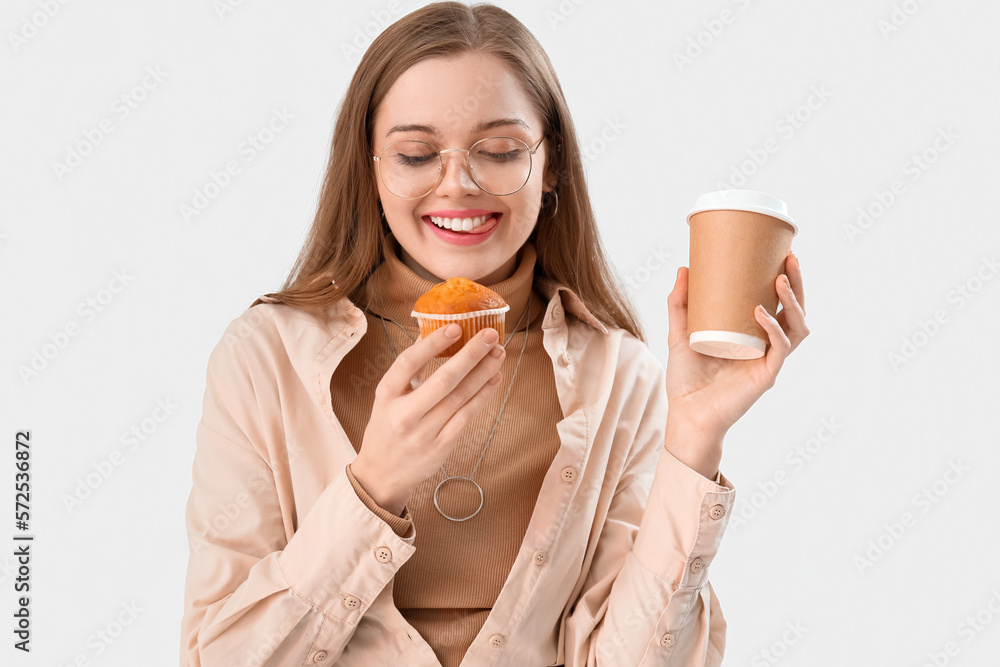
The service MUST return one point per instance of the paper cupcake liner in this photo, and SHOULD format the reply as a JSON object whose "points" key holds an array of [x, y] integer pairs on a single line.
{"points": [[471, 323], [454, 317]]}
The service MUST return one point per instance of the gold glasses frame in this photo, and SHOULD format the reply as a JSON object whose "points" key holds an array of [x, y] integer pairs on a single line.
{"points": [[468, 163]]}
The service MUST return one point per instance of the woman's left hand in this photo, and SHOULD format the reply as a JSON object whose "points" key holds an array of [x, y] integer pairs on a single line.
{"points": [[707, 395]]}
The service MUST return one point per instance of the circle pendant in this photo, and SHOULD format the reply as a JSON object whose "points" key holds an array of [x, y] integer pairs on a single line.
{"points": [[458, 479]]}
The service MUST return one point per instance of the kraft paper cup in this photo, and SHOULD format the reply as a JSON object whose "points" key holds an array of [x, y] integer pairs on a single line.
{"points": [[738, 245], [471, 323]]}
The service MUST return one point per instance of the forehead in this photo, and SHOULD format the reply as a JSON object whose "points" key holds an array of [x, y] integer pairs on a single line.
{"points": [[455, 94]]}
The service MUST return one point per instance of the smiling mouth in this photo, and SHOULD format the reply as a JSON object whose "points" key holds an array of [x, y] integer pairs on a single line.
{"points": [[469, 224]]}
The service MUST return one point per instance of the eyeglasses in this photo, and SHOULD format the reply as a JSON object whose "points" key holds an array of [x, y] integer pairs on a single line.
{"points": [[498, 165]]}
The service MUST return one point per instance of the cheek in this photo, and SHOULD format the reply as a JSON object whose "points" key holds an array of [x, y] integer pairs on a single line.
{"points": [[527, 211], [531, 203], [397, 216]]}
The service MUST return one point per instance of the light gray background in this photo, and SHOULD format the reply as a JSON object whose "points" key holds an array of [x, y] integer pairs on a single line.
{"points": [[658, 134]]}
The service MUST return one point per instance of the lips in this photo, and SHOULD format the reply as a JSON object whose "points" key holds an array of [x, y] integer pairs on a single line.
{"points": [[468, 228], [468, 221], [460, 224]]}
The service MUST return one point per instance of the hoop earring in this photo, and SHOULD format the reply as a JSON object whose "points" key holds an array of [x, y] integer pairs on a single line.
{"points": [[552, 195], [383, 224]]}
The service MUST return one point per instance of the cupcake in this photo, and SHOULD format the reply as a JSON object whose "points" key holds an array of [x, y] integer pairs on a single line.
{"points": [[464, 302]]}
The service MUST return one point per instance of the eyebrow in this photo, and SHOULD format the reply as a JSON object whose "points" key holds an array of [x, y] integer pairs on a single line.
{"points": [[481, 127]]}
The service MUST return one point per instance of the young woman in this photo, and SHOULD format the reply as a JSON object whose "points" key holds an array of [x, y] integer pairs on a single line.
{"points": [[356, 501]]}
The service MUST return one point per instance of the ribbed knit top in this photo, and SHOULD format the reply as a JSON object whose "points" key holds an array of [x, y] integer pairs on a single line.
{"points": [[448, 587]]}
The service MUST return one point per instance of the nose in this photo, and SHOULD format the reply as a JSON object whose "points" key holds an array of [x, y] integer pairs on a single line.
{"points": [[456, 181]]}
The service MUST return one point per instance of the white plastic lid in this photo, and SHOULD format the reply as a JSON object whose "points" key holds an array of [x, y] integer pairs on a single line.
{"points": [[727, 344], [743, 200]]}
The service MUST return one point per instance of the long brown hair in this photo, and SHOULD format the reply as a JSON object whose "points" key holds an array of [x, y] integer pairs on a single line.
{"points": [[344, 244]]}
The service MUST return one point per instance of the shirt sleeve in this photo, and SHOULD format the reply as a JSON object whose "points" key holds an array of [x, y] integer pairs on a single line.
{"points": [[259, 590], [648, 600], [401, 524]]}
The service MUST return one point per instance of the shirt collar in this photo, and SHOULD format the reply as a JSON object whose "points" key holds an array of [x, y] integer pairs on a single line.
{"points": [[320, 337], [569, 300]]}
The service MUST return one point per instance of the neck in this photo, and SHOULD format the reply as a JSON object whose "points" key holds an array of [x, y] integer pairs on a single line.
{"points": [[394, 286], [505, 271]]}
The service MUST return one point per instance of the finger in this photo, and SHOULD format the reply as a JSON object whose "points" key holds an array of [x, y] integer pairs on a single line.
{"points": [[453, 427], [447, 397], [791, 312], [450, 375], [415, 358], [677, 309], [794, 272], [780, 345], [468, 387]]}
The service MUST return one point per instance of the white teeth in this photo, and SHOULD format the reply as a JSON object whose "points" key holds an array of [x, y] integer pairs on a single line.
{"points": [[460, 224]]}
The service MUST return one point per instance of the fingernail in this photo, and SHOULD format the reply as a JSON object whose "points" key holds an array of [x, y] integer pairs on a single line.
{"points": [[452, 331], [497, 352]]}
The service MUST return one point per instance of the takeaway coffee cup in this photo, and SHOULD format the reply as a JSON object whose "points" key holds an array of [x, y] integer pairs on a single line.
{"points": [[739, 241]]}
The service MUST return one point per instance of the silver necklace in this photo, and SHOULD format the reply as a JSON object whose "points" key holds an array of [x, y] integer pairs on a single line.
{"points": [[462, 479]]}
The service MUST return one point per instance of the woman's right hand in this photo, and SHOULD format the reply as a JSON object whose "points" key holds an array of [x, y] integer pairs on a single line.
{"points": [[411, 431]]}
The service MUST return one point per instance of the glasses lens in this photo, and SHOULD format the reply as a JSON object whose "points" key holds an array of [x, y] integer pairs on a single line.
{"points": [[409, 169], [500, 165]]}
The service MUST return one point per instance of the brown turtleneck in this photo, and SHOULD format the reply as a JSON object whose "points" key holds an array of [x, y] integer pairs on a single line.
{"points": [[448, 587]]}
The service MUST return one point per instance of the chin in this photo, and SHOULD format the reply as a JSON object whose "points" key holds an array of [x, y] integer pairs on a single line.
{"points": [[461, 271]]}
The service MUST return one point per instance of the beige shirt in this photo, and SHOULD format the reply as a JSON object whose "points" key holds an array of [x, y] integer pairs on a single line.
{"points": [[289, 567]]}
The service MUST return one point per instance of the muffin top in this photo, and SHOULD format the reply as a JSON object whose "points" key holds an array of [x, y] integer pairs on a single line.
{"points": [[458, 295]]}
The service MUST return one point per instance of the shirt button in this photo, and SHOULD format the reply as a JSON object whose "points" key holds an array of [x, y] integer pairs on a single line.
{"points": [[697, 565], [350, 601], [496, 641], [717, 512], [383, 554], [564, 358], [557, 312], [539, 557], [667, 639], [568, 474], [319, 657]]}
